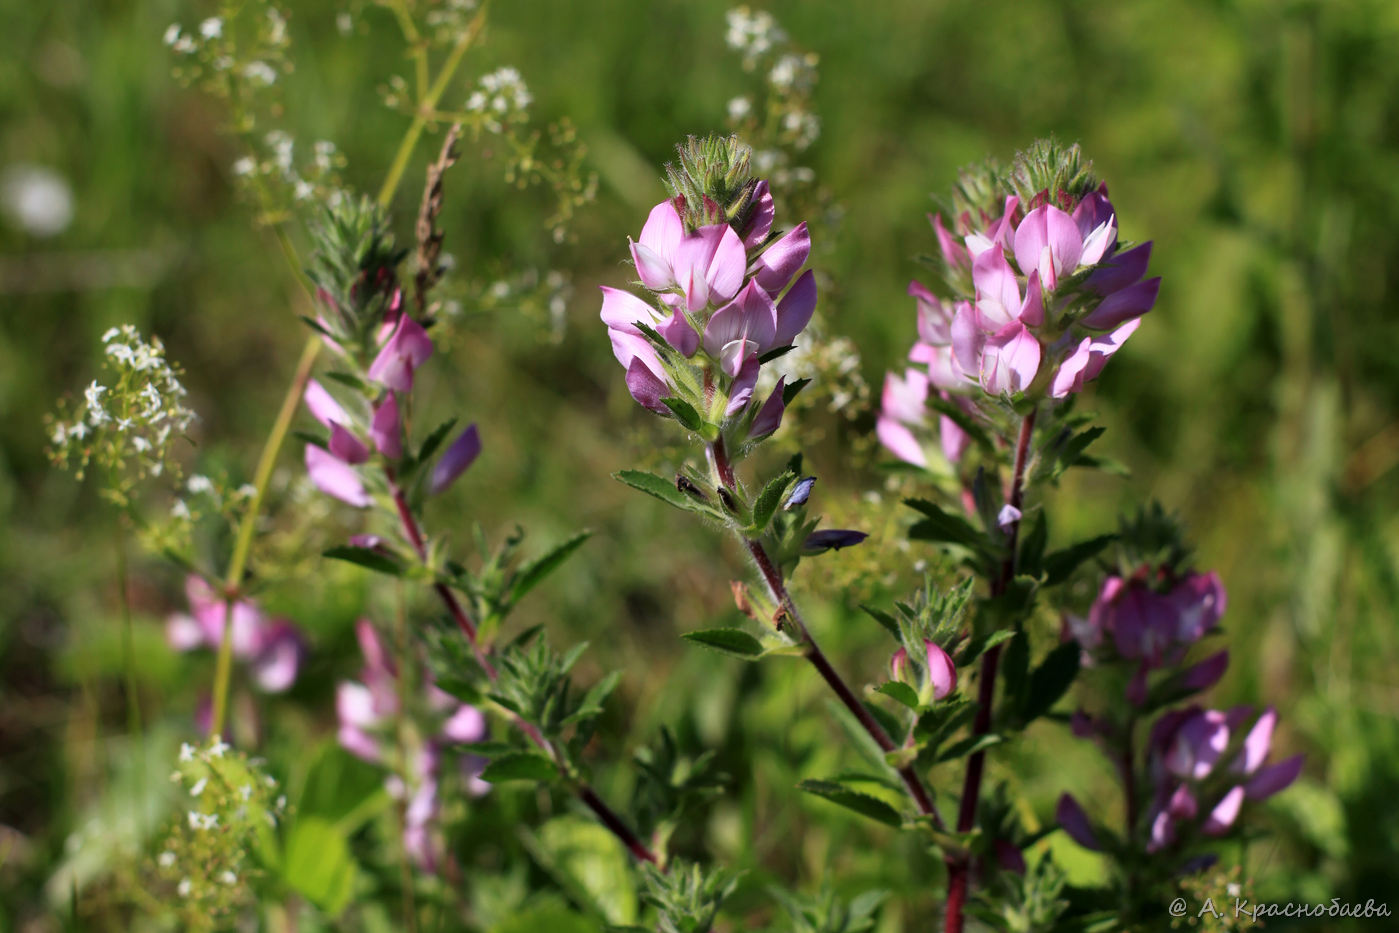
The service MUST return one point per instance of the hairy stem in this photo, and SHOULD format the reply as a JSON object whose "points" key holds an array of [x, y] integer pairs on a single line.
{"points": [[772, 576], [959, 869], [605, 814]]}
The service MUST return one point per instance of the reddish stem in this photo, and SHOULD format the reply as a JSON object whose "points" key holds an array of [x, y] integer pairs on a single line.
{"points": [[605, 814], [959, 868], [773, 578]]}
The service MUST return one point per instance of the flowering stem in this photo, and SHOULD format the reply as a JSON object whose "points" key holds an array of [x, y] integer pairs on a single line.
{"points": [[128, 651], [605, 814], [959, 869], [723, 469]]}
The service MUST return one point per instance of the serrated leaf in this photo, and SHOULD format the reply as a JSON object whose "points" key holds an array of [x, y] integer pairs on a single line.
{"points": [[1060, 565], [768, 501], [531, 574], [731, 641], [941, 526], [1073, 449], [520, 766], [365, 557], [863, 804], [661, 488], [900, 691], [684, 412]]}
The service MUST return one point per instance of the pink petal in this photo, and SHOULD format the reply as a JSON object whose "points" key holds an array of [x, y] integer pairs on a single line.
{"points": [[725, 272], [769, 417], [780, 261], [1048, 241], [934, 317], [386, 430], [1032, 311], [621, 311], [467, 724], [906, 398], [1121, 270], [997, 289], [742, 389], [183, 632], [276, 666], [1268, 781], [345, 446], [663, 231], [795, 309], [942, 674], [653, 271], [645, 387], [953, 253], [953, 440], [968, 340], [1075, 822], [1257, 743], [760, 221], [679, 333], [323, 407], [354, 705], [335, 477], [1123, 306], [1225, 813], [750, 316], [899, 441], [1207, 673], [1010, 360], [455, 460]]}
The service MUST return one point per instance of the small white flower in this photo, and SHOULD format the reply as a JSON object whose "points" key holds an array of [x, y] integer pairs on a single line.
{"points": [[37, 199], [739, 108], [260, 73], [184, 45], [211, 28], [228, 877], [217, 749], [345, 23], [198, 787], [247, 490], [93, 394], [199, 484], [183, 888], [246, 792], [172, 34], [245, 166], [186, 751], [166, 859]]}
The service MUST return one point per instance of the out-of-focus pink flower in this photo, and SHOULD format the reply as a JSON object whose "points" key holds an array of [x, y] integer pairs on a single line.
{"points": [[335, 477], [942, 673], [272, 648], [368, 713], [455, 460], [407, 348], [1075, 822], [1154, 626]]}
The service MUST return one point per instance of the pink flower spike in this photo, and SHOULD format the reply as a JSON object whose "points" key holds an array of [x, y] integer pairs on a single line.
{"points": [[386, 430], [323, 406], [1268, 781], [1225, 813], [1075, 822], [455, 460], [780, 261], [942, 674], [334, 477], [346, 447], [760, 221], [769, 417]]}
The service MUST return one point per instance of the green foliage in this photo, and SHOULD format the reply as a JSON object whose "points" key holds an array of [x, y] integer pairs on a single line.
{"points": [[828, 912], [687, 896]]}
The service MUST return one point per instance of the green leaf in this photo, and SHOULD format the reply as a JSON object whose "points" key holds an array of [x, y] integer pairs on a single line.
{"points": [[520, 766], [590, 864], [941, 526], [345, 379], [887, 620], [731, 641], [968, 745], [768, 501], [1034, 536], [531, 574], [488, 749], [318, 864], [435, 439], [1059, 565], [662, 489], [365, 557], [1072, 451], [1051, 679], [789, 392], [900, 691], [684, 412], [863, 804], [776, 352]]}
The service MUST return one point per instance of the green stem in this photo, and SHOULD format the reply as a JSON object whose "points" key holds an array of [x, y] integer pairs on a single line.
{"points": [[128, 649], [427, 105]]}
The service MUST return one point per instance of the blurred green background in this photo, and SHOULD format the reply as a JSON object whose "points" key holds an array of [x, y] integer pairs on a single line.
{"points": [[1257, 143]]}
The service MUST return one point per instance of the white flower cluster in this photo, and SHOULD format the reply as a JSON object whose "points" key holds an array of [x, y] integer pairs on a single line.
{"points": [[450, 19], [753, 33], [251, 46], [132, 421], [500, 96], [276, 167]]}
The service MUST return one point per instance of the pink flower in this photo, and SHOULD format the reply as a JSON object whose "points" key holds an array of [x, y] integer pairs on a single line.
{"points": [[707, 265], [273, 648]]}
